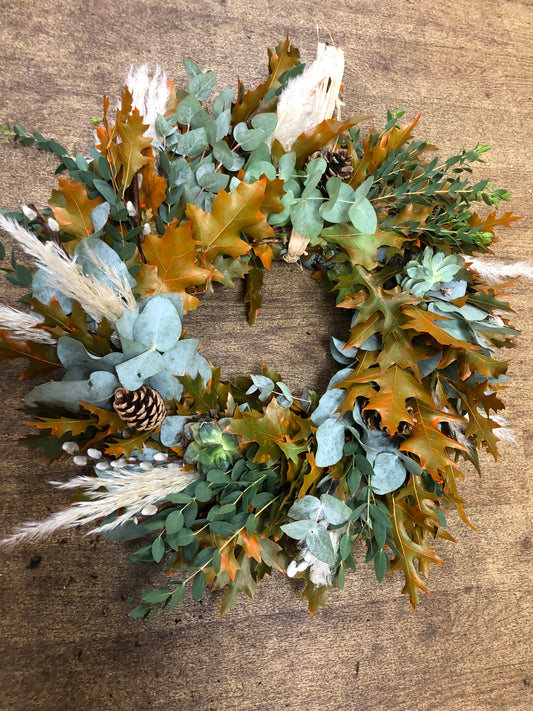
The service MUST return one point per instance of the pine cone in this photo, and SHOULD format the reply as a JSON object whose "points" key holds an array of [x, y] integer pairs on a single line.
{"points": [[339, 164], [142, 409]]}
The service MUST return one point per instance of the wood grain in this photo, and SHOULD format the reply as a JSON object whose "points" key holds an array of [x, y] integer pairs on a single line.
{"points": [[65, 640]]}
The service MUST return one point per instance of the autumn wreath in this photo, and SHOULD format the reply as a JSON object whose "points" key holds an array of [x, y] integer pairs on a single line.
{"points": [[226, 481]]}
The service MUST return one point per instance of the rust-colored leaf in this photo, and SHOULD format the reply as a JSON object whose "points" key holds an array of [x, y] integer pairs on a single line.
{"points": [[176, 259], [410, 538], [284, 58], [253, 296], [73, 210], [324, 133], [42, 357], [219, 231]]}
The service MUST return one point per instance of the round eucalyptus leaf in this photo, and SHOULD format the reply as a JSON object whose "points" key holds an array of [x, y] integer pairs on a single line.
{"points": [[330, 442], [363, 217], [158, 325], [319, 543], [389, 473], [299, 529], [306, 218], [134, 372]]}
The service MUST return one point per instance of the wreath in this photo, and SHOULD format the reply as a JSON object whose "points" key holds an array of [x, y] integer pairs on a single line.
{"points": [[228, 481]]}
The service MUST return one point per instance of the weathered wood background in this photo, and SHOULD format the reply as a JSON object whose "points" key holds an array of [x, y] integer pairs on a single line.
{"points": [[65, 640]]}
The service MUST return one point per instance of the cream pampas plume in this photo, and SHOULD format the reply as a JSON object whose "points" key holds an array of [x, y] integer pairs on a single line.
{"points": [[133, 491], [150, 94], [311, 97], [23, 326], [493, 272], [96, 298]]}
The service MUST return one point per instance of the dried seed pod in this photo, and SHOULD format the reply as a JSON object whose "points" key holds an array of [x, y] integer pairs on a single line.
{"points": [[142, 409]]}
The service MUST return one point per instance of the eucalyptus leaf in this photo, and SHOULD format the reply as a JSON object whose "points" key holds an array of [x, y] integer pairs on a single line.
{"points": [[202, 85], [315, 169], [319, 543], [266, 123], [299, 529], [44, 290], [230, 161], [327, 405], [158, 325], [187, 108], [171, 429], [335, 511], [222, 125], [330, 442], [247, 138], [259, 168], [389, 473], [306, 218], [184, 359], [99, 215], [180, 172], [341, 195], [308, 507], [223, 101], [363, 217], [339, 351], [98, 390], [214, 181], [286, 165], [191, 67], [201, 119], [134, 372], [192, 143], [93, 253]]}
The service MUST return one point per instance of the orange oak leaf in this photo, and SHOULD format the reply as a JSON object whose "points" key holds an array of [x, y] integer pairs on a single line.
{"points": [[153, 188], [279, 432], [175, 256], [60, 426], [410, 538], [324, 133], [219, 231], [73, 210], [134, 147], [42, 357], [253, 296], [428, 442], [250, 545], [375, 153], [284, 58]]}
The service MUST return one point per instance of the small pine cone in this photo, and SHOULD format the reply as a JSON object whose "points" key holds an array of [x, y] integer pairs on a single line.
{"points": [[339, 164], [142, 409]]}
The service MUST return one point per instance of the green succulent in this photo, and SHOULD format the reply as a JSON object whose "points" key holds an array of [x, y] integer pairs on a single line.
{"points": [[211, 448], [430, 269]]}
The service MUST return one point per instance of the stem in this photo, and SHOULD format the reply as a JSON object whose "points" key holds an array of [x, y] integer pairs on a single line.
{"points": [[53, 236]]}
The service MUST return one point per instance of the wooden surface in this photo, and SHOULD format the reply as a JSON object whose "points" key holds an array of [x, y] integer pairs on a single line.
{"points": [[65, 640]]}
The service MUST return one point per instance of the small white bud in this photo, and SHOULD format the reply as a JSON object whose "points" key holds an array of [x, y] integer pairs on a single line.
{"points": [[53, 224], [94, 453], [30, 214], [149, 510], [101, 466], [117, 463], [292, 569], [146, 229], [160, 457], [70, 447], [130, 207], [80, 460], [146, 466]]}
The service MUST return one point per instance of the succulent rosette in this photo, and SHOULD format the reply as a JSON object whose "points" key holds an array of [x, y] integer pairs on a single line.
{"points": [[228, 481]]}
